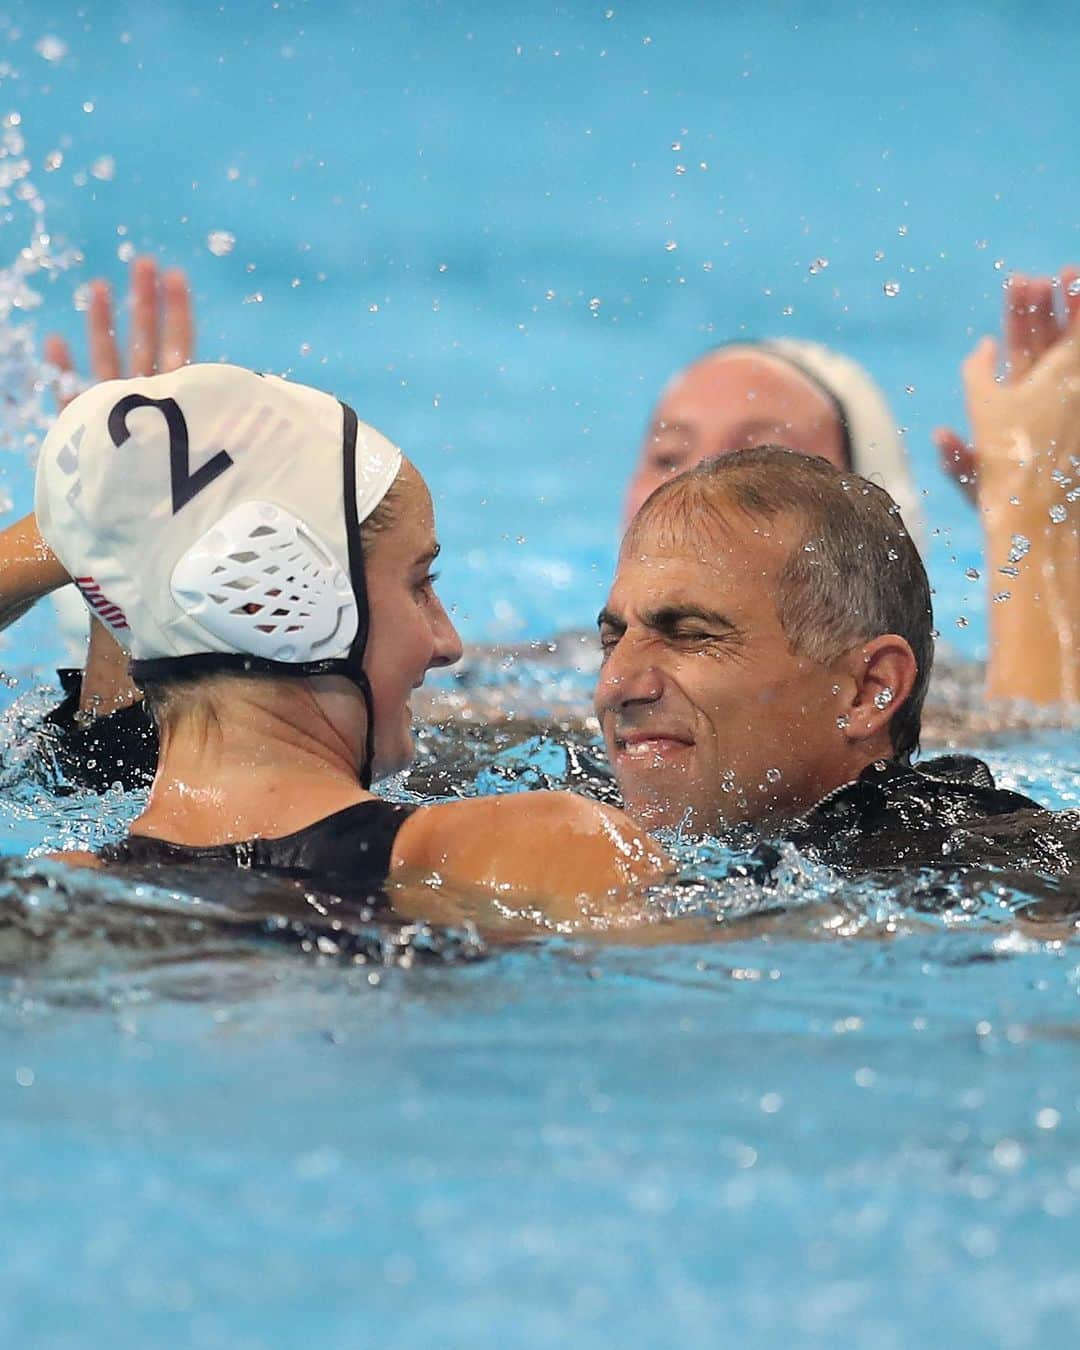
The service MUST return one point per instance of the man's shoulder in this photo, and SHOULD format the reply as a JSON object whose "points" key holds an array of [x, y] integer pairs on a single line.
{"points": [[942, 811]]}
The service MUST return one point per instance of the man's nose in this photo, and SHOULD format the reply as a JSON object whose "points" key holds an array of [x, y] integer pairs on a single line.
{"points": [[627, 678], [447, 648]]}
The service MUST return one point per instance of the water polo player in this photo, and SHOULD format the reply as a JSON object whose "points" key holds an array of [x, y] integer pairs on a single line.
{"points": [[265, 558]]}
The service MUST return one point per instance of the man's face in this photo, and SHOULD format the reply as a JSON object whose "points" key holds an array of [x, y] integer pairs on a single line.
{"points": [[705, 708], [731, 400]]}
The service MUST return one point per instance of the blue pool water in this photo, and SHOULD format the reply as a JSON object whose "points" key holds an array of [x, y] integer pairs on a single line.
{"points": [[860, 1129]]}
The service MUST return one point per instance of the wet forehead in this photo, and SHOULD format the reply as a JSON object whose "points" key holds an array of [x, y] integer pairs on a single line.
{"points": [[741, 385], [736, 564]]}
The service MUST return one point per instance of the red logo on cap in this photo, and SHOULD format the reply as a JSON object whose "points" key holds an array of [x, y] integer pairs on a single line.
{"points": [[109, 613]]}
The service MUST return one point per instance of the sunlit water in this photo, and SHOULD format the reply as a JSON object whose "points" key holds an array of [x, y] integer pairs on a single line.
{"points": [[852, 1118]]}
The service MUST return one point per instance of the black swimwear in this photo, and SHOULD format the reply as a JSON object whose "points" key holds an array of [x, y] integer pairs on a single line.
{"points": [[942, 812], [346, 854], [120, 747]]}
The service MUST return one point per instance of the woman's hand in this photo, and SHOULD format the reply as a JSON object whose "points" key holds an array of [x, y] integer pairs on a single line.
{"points": [[1039, 313], [1026, 462], [162, 330]]}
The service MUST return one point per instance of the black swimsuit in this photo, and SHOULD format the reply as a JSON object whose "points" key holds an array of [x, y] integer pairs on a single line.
{"points": [[121, 747], [346, 854]]}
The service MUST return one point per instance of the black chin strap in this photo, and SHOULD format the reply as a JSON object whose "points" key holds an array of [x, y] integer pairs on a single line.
{"points": [[354, 663]]}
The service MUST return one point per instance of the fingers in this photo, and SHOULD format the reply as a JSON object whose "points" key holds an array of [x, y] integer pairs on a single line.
{"points": [[143, 340], [1070, 292], [959, 460], [101, 334], [177, 324], [57, 354], [1030, 324], [980, 369]]}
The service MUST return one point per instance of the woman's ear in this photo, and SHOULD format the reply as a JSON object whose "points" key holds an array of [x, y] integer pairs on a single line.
{"points": [[884, 671]]}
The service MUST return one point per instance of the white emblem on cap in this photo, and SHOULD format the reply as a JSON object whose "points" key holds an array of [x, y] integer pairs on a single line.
{"points": [[263, 583]]}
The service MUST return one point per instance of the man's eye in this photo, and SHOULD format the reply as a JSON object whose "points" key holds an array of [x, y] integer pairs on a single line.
{"points": [[666, 463], [426, 584], [608, 642]]}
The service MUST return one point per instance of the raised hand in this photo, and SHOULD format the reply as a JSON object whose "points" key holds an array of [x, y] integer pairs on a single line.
{"points": [[1026, 436], [1039, 313], [161, 334]]}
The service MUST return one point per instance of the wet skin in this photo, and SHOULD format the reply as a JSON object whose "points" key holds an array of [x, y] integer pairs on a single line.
{"points": [[411, 632], [708, 715], [732, 400]]}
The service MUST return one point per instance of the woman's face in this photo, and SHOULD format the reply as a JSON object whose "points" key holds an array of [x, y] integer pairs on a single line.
{"points": [[731, 400], [410, 631]]}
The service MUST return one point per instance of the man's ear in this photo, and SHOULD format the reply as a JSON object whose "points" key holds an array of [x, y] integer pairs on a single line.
{"points": [[884, 671]]}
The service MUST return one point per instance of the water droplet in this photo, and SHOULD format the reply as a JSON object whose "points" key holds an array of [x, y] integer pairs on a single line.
{"points": [[901, 230], [972, 574], [104, 169], [818, 265], [51, 48], [671, 245], [909, 388], [788, 310], [1048, 1118], [773, 775], [1021, 547], [1073, 288], [680, 169], [1001, 596], [999, 264], [892, 555], [883, 697], [220, 242], [1058, 514], [879, 255], [81, 298], [1008, 1154], [53, 160], [843, 721], [891, 288], [961, 622], [126, 251], [255, 298]]}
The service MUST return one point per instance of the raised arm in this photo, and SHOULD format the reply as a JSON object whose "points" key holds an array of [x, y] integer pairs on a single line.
{"points": [[1026, 462], [28, 569]]}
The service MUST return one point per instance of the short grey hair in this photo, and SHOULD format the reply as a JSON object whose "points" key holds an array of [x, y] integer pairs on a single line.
{"points": [[853, 573]]}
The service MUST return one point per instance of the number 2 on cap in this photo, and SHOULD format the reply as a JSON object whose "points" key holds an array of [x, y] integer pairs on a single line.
{"points": [[185, 484]]}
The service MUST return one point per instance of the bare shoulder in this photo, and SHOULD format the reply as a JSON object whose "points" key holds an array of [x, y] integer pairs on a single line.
{"points": [[491, 819], [540, 843], [76, 858]]}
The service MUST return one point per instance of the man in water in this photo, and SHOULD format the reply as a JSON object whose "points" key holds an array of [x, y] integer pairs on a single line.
{"points": [[767, 644]]}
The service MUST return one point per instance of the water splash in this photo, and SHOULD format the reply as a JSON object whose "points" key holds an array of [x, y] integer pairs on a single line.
{"points": [[25, 410]]}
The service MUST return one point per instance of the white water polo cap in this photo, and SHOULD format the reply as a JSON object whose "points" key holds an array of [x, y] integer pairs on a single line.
{"points": [[872, 436], [211, 519]]}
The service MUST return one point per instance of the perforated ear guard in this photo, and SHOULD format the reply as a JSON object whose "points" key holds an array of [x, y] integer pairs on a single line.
{"points": [[263, 582]]}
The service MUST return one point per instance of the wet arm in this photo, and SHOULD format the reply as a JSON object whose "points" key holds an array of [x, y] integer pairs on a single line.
{"points": [[28, 569], [528, 863]]}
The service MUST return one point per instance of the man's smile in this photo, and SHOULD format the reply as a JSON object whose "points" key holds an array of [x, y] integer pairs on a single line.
{"points": [[650, 745]]}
